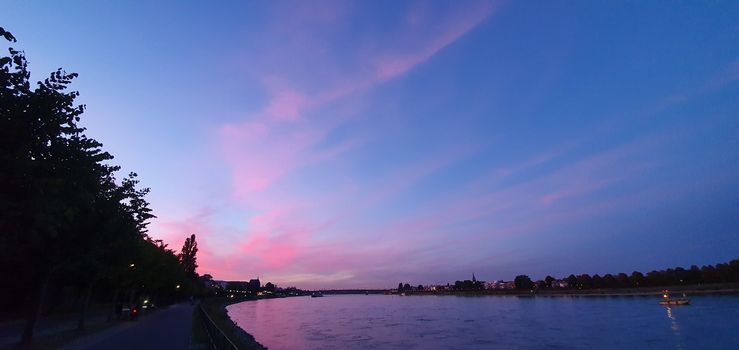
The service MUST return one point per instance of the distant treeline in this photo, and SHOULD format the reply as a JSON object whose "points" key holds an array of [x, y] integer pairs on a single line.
{"points": [[720, 273], [708, 274], [71, 232]]}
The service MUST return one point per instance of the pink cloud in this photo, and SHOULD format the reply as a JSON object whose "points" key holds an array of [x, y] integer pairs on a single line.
{"points": [[392, 65], [285, 236], [264, 149], [286, 106], [577, 189], [174, 231]]}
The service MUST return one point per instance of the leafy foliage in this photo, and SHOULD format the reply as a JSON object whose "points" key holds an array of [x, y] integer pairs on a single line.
{"points": [[64, 217]]}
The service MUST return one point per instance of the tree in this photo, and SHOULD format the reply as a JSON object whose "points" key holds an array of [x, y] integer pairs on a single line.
{"points": [[734, 268], [709, 274], [584, 281], [623, 280], [540, 284], [693, 275], [400, 287], [188, 257], [523, 282], [46, 163], [63, 216], [609, 281], [637, 279], [597, 281], [549, 280], [572, 282]]}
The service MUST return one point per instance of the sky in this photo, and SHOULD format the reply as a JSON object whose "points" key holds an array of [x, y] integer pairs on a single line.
{"points": [[358, 144]]}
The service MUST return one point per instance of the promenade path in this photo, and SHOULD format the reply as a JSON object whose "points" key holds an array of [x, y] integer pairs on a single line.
{"points": [[10, 332], [169, 328]]}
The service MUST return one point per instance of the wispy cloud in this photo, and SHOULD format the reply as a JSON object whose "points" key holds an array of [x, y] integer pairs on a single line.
{"points": [[302, 133], [280, 138]]}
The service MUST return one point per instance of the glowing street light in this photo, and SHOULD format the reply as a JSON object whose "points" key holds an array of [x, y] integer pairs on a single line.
{"points": [[178, 286], [132, 265]]}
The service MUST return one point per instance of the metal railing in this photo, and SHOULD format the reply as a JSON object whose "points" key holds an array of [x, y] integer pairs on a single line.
{"points": [[218, 339]]}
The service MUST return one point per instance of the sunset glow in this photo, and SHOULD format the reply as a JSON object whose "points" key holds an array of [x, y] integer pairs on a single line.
{"points": [[358, 144]]}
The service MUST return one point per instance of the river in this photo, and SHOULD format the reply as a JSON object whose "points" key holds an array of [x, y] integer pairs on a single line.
{"points": [[489, 322]]}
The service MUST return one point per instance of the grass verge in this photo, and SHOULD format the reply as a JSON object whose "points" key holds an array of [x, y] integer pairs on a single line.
{"points": [[216, 309]]}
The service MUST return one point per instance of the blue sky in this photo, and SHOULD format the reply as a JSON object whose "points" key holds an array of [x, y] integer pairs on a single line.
{"points": [[359, 144]]}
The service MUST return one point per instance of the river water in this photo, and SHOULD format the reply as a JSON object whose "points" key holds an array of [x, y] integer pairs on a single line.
{"points": [[489, 322]]}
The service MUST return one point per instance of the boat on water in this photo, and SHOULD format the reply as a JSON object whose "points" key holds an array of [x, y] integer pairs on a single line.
{"points": [[666, 300], [316, 295]]}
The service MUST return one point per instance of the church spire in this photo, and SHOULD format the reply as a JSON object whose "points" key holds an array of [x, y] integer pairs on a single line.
{"points": [[473, 277]]}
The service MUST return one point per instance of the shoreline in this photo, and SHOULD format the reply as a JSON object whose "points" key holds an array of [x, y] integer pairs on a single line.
{"points": [[216, 308], [718, 289]]}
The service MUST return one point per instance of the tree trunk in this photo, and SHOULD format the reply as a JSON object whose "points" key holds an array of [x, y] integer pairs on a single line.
{"points": [[35, 308], [115, 302], [85, 303]]}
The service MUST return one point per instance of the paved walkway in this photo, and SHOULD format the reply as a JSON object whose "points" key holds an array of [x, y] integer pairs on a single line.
{"points": [[10, 332], [169, 328]]}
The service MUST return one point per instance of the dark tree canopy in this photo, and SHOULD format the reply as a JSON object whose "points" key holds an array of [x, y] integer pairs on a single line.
{"points": [[523, 282], [65, 218]]}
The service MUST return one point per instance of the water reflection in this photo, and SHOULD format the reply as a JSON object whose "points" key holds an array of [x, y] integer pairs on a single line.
{"points": [[674, 326], [429, 322]]}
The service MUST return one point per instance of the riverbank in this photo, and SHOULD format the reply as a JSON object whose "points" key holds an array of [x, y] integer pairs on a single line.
{"points": [[355, 322], [216, 309], [708, 289]]}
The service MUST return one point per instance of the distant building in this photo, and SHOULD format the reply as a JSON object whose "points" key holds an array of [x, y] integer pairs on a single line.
{"points": [[211, 284], [439, 287], [560, 284], [500, 285], [254, 285]]}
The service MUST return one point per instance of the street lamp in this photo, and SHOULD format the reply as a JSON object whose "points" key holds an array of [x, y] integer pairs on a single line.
{"points": [[132, 265], [178, 286]]}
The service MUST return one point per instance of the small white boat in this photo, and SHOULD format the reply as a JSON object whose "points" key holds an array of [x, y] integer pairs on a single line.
{"points": [[667, 301]]}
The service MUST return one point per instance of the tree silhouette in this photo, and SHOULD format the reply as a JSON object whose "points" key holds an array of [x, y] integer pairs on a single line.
{"points": [[523, 282], [188, 257], [572, 282], [64, 217], [45, 161], [549, 280]]}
